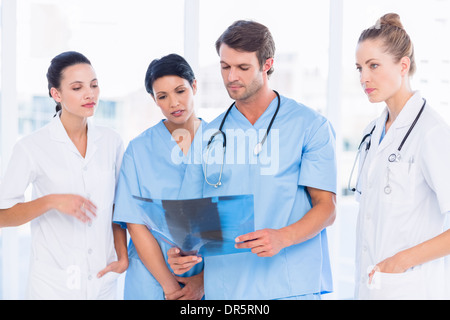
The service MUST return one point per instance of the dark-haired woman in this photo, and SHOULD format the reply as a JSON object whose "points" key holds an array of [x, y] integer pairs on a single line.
{"points": [[404, 178], [72, 165], [154, 166]]}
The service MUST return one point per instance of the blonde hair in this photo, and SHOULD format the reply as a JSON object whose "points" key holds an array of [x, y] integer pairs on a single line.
{"points": [[397, 42]]}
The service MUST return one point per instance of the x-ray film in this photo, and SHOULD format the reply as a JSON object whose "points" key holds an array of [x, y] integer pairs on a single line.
{"points": [[204, 227]]}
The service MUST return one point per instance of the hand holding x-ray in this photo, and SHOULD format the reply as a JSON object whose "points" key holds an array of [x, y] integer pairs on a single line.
{"points": [[199, 227]]}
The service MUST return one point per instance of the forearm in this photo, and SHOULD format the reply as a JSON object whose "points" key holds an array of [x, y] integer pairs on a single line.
{"points": [[321, 215], [120, 241], [432, 249], [151, 256], [22, 213]]}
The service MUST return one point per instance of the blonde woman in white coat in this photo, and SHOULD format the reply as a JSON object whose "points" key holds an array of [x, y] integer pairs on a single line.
{"points": [[404, 177]]}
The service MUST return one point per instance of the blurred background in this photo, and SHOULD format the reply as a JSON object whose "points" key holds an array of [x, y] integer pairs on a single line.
{"points": [[314, 64]]}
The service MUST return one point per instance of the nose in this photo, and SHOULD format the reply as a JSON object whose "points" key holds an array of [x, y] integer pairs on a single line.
{"points": [[233, 75], [90, 93], [174, 102], [363, 76]]}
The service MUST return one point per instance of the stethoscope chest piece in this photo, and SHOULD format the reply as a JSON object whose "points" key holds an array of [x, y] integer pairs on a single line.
{"points": [[387, 190], [258, 148], [394, 157]]}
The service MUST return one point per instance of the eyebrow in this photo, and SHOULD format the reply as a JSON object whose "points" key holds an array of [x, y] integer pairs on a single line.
{"points": [[176, 88], [78, 81], [368, 61]]}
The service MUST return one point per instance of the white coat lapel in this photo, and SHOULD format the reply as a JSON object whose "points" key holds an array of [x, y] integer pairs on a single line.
{"points": [[404, 120], [59, 133], [395, 134], [389, 137]]}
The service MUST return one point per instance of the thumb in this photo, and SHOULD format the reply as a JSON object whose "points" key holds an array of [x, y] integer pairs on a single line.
{"points": [[104, 271], [180, 279]]}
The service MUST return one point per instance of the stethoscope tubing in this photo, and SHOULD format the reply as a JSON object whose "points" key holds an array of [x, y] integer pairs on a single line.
{"points": [[392, 157], [257, 149]]}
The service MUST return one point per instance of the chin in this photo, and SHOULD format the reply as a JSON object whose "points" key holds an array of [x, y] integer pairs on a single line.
{"points": [[235, 94], [231, 95], [374, 99], [88, 113], [177, 121]]}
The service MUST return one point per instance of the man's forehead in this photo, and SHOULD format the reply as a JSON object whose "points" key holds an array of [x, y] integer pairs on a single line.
{"points": [[236, 57]]}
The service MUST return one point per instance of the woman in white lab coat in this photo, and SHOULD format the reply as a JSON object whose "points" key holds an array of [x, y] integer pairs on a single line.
{"points": [[404, 176], [72, 165]]}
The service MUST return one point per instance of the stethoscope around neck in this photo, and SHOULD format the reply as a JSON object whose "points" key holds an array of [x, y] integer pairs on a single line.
{"points": [[393, 157], [256, 151]]}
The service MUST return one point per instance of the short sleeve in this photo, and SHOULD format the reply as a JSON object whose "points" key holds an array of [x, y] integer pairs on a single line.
{"points": [[318, 162], [127, 187], [434, 161], [19, 173]]}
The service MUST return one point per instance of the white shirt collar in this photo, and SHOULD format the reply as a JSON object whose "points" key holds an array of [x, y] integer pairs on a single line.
{"points": [[59, 133]]}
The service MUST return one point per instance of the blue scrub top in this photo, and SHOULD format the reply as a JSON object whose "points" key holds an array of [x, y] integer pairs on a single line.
{"points": [[299, 152], [153, 166]]}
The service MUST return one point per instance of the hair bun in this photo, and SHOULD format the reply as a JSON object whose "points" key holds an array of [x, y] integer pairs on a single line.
{"points": [[390, 19]]}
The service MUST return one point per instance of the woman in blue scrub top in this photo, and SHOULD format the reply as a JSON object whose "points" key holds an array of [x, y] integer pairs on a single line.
{"points": [[153, 166]]}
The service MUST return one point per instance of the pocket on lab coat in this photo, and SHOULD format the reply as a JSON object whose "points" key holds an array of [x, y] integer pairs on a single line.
{"points": [[401, 179], [408, 285], [108, 289]]}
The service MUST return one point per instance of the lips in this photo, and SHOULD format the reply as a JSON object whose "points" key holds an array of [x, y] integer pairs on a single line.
{"points": [[177, 113], [89, 105], [369, 90], [234, 86]]}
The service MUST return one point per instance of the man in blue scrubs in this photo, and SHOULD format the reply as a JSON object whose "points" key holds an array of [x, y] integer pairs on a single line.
{"points": [[292, 179]]}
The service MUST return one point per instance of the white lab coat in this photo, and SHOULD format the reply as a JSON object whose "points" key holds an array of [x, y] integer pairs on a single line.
{"points": [[66, 254], [412, 213]]}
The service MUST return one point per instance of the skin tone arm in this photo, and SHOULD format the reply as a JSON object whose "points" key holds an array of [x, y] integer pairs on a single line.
{"points": [[120, 244], [268, 242], [432, 249], [150, 254], [73, 205]]}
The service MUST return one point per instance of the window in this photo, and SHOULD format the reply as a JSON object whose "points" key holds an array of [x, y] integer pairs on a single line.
{"points": [[300, 73], [119, 38]]}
